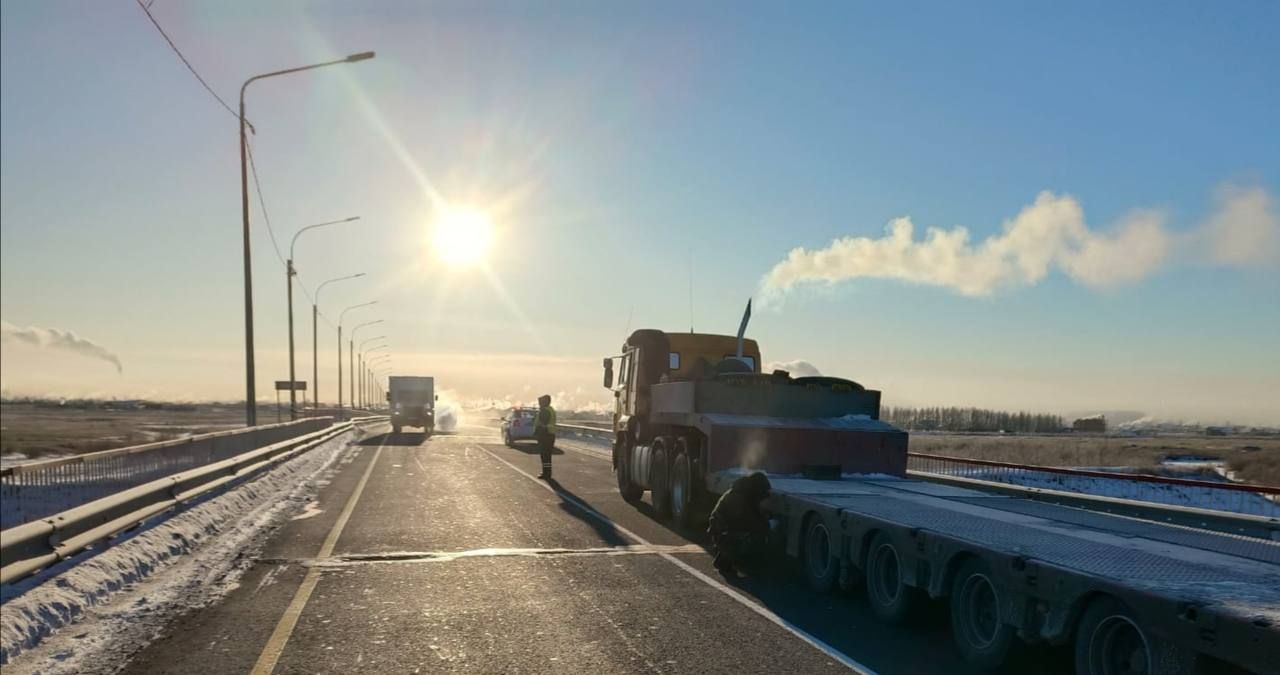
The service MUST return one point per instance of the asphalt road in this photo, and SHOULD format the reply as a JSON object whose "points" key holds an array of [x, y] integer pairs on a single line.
{"points": [[446, 554]]}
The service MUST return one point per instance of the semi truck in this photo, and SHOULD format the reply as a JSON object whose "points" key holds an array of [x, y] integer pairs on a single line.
{"points": [[694, 412], [412, 400]]}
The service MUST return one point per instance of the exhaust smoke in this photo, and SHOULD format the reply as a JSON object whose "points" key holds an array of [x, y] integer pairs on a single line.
{"points": [[57, 340]]}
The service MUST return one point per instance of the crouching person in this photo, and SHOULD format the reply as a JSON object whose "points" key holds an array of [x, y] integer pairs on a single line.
{"points": [[739, 525]]}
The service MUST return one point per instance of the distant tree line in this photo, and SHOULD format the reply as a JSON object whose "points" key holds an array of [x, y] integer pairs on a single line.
{"points": [[971, 419]]}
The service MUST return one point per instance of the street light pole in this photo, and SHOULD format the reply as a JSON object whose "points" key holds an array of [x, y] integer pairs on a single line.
{"points": [[379, 360], [315, 343], [251, 398], [290, 272], [364, 371], [351, 345], [371, 380], [340, 317]]}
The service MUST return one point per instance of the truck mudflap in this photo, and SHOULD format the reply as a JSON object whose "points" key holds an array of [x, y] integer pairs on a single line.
{"points": [[830, 447]]}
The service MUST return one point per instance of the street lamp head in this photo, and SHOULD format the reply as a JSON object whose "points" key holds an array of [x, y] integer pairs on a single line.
{"points": [[362, 56]]}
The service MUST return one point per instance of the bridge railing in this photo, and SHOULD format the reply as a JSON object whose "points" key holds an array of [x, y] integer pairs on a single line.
{"points": [[39, 489], [1227, 496], [1243, 498], [32, 546]]}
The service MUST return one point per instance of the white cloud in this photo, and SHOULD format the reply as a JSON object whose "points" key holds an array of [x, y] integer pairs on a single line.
{"points": [[1050, 233]]}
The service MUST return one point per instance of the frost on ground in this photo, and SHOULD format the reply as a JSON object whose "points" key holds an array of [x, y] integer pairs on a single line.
{"points": [[119, 600]]}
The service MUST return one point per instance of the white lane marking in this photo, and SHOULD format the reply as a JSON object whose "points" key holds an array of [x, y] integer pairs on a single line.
{"points": [[284, 628], [743, 600]]}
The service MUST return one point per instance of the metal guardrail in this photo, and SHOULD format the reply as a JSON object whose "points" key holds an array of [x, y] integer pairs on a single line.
{"points": [[1051, 483], [1243, 498], [40, 489], [27, 548]]}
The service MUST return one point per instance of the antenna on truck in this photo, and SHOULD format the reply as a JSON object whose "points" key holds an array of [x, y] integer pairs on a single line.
{"points": [[742, 327]]}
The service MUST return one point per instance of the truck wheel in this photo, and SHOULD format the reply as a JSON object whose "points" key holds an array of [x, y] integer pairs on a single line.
{"points": [[682, 492], [1110, 639], [821, 566], [661, 481], [630, 493], [976, 623], [395, 429], [506, 440], [890, 597]]}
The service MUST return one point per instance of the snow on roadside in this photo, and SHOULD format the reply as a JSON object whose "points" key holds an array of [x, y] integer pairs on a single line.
{"points": [[120, 599]]}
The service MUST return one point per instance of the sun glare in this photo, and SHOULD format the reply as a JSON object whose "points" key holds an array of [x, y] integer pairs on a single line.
{"points": [[462, 236]]}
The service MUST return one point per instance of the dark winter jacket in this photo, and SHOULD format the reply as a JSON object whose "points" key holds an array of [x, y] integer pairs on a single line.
{"points": [[740, 511]]}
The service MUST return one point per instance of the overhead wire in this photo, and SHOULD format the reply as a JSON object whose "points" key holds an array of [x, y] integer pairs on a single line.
{"points": [[253, 167]]}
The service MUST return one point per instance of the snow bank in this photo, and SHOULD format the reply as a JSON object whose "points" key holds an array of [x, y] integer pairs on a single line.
{"points": [[122, 597]]}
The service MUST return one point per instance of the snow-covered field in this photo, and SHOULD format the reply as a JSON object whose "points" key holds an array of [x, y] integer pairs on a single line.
{"points": [[82, 616]]}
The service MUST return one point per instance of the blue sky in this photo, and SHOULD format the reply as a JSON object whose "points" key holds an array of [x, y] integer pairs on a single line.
{"points": [[625, 151]]}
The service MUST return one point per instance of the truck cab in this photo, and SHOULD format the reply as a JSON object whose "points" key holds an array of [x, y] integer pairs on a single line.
{"points": [[694, 411]]}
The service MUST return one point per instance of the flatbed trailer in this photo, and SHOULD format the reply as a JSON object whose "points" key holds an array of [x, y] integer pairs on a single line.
{"points": [[1133, 595]]}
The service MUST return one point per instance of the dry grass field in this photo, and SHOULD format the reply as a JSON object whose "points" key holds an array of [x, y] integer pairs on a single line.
{"points": [[28, 431], [1255, 459]]}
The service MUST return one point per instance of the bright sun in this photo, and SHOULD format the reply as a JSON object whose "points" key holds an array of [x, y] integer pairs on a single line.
{"points": [[462, 236]]}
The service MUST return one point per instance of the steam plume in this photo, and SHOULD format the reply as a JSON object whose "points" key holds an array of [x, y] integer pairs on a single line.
{"points": [[1050, 233], [60, 340], [797, 368]]}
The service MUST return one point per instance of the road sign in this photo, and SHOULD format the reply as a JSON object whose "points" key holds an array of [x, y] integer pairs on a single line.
{"points": [[284, 385]]}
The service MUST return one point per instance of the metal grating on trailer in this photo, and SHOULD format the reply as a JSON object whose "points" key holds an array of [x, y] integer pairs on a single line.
{"points": [[1241, 586]]}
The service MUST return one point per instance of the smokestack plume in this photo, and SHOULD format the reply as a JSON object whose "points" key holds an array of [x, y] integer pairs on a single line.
{"points": [[1049, 234], [59, 340]]}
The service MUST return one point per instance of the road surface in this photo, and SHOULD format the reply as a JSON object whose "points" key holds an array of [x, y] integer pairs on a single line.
{"points": [[445, 554]]}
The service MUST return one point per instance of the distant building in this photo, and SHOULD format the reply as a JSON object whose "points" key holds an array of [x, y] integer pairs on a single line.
{"points": [[1093, 425]]}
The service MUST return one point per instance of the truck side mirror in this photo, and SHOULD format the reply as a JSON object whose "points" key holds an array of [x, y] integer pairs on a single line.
{"points": [[608, 373], [437, 397]]}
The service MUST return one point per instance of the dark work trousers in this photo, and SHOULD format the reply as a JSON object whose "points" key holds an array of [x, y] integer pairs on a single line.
{"points": [[546, 442]]}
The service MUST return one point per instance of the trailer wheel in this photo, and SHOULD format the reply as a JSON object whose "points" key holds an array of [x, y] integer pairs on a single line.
{"points": [[682, 490], [661, 475], [821, 566], [890, 597], [630, 493], [1110, 641], [976, 624]]}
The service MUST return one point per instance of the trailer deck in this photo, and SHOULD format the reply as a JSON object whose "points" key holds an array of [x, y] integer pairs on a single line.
{"points": [[1216, 593]]}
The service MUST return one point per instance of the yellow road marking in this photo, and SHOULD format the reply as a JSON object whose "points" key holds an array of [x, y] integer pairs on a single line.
{"points": [[284, 628]]}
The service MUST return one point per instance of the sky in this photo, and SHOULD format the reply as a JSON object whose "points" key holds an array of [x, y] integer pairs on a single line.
{"points": [[1030, 206]]}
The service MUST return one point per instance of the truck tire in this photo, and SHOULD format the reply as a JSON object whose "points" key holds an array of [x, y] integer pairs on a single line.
{"points": [[821, 566], [682, 489], [395, 429], [630, 493], [661, 481], [1110, 639], [890, 597], [977, 626]]}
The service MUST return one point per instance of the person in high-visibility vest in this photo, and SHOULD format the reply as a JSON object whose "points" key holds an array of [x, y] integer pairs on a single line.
{"points": [[544, 430]]}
